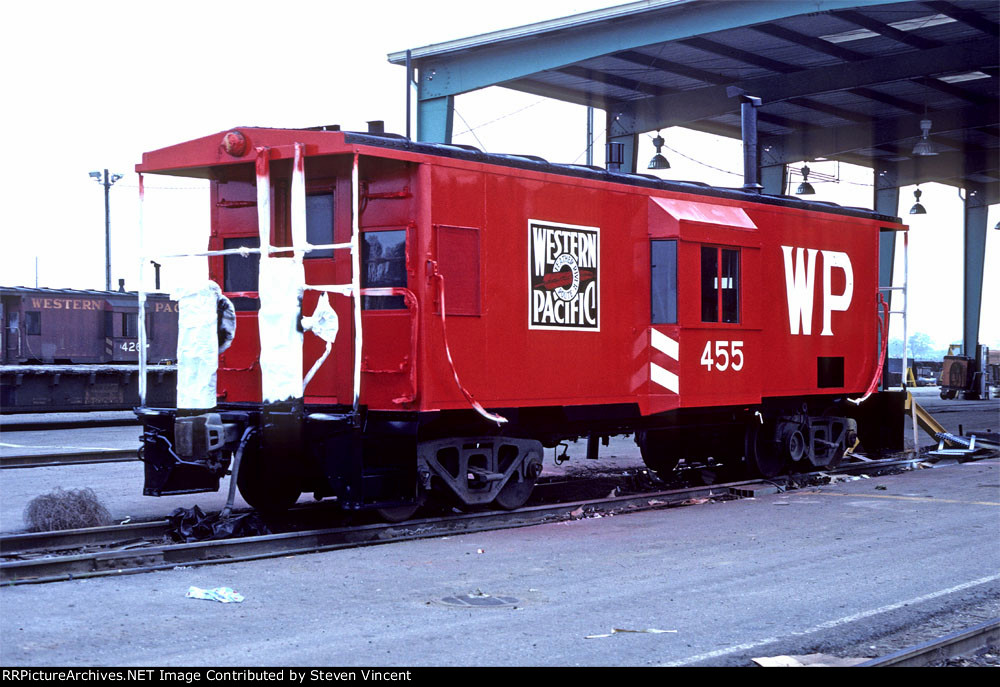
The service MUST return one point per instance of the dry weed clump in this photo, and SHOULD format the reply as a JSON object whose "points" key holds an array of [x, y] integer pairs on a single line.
{"points": [[63, 509]]}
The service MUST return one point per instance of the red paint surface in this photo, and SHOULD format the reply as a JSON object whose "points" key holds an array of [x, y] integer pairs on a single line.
{"points": [[501, 361]]}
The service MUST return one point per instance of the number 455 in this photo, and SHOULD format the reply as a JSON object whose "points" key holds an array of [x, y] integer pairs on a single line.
{"points": [[727, 353]]}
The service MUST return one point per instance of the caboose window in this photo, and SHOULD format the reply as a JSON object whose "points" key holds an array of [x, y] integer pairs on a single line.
{"points": [[729, 285], [319, 224], [241, 274], [130, 325], [663, 270], [383, 263], [709, 284], [32, 322], [720, 284]]}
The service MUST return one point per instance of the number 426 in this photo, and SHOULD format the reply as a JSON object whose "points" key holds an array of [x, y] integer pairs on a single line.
{"points": [[727, 353]]}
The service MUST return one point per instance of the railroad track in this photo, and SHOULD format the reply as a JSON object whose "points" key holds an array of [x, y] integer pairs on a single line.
{"points": [[39, 460], [141, 547], [949, 646], [52, 425]]}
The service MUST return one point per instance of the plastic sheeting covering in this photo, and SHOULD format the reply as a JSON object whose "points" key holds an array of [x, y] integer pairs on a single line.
{"points": [[325, 324], [280, 292], [192, 524], [227, 323], [197, 344]]}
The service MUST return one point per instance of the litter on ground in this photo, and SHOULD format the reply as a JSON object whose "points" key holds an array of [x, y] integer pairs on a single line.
{"points": [[618, 630], [808, 660], [221, 594]]}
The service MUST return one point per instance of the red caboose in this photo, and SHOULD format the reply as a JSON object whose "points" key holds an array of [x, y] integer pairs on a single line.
{"points": [[415, 318]]}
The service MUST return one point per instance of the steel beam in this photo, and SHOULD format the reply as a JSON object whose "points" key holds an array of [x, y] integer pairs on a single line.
{"points": [[470, 64], [946, 167], [813, 43], [774, 179], [803, 145], [967, 17], [540, 88], [974, 220], [907, 38], [614, 80], [435, 119], [678, 109], [886, 202]]}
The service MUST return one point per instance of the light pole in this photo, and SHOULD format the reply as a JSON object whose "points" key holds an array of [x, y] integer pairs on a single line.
{"points": [[107, 182]]}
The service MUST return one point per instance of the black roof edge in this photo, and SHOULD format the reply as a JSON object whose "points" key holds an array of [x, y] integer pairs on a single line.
{"points": [[469, 153]]}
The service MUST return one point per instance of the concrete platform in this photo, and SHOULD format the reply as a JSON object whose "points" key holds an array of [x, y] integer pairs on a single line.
{"points": [[800, 572]]}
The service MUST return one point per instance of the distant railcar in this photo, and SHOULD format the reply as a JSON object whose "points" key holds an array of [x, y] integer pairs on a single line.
{"points": [[484, 307], [69, 349]]}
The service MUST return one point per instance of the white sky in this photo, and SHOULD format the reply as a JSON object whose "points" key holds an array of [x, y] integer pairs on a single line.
{"points": [[94, 85]]}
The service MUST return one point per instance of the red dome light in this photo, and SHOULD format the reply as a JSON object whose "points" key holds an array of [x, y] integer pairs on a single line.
{"points": [[235, 143]]}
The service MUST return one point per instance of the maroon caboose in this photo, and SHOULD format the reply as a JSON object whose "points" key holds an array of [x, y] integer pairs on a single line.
{"points": [[414, 319], [72, 349]]}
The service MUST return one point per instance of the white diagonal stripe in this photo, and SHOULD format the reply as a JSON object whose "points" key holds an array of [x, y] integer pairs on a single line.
{"points": [[664, 378], [664, 344]]}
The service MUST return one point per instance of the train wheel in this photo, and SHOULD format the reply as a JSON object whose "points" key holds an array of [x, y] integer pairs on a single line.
{"points": [[517, 491], [657, 450], [402, 513], [263, 485], [764, 454], [398, 513]]}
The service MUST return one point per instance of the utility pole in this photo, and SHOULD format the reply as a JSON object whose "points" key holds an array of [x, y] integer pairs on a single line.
{"points": [[107, 183]]}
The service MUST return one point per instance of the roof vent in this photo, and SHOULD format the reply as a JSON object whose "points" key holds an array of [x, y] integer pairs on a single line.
{"points": [[376, 126]]}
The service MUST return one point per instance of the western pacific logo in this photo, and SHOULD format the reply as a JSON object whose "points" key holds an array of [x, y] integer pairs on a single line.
{"points": [[564, 271], [800, 280]]}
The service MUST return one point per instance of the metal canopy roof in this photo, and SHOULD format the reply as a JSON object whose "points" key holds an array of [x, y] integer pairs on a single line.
{"points": [[848, 80]]}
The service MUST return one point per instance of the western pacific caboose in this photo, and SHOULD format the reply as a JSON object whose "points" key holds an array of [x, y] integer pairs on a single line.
{"points": [[414, 318], [70, 349]]}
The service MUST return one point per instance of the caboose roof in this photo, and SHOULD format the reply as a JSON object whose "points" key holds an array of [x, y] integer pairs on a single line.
{"points": [[205, 158]]}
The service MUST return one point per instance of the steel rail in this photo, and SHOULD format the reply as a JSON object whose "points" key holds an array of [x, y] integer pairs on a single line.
{"points": [[951, 645], [61, 540], [43, 426], [39, 460]]}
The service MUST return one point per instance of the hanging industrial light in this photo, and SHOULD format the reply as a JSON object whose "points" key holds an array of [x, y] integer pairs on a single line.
{"points": [[658, 161], [805, 188], [924, 146], [917, 208]]}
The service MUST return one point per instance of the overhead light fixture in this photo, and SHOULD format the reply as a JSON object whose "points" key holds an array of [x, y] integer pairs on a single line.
{"points": [[805, 188], [917, 208], [924, 146], [658, 161]]}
